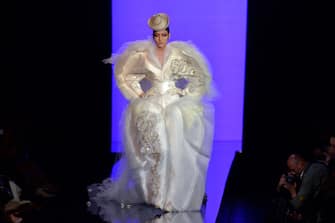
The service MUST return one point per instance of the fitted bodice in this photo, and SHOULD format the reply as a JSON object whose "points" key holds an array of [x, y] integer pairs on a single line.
{"points": [[163, 86], [181, 61]]}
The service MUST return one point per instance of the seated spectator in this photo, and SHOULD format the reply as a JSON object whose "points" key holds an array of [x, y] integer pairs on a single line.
{"points": [[304, 188], [22, 183], [320, 154], [325, 153], [326, 198]]}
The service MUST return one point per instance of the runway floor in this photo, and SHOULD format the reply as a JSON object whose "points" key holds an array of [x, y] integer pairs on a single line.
{"points": [[245, 200]]}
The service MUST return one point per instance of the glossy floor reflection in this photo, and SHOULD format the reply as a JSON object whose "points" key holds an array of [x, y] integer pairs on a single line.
{"points": [[241, 202], [222, 157], [115, 213], [237, 211], [223, 154]]}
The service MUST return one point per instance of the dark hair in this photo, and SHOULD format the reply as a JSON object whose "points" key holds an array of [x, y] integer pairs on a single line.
{"points": [[301, 155], [167, 29]]}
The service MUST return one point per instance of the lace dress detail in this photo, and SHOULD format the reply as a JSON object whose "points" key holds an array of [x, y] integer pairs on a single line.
{"points": [[148, 139]]}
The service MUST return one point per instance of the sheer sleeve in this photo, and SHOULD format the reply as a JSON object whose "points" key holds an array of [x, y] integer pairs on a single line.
{"points": [[129, 68], [129, 71]]}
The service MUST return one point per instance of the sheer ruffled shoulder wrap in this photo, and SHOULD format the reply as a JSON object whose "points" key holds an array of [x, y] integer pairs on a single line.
{"points": [[129, 68], [194, 68]]}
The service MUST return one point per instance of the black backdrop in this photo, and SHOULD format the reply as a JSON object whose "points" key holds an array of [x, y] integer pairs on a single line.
{"points": [[289, 92], [289, 78], [289, 85], [56, 91]]}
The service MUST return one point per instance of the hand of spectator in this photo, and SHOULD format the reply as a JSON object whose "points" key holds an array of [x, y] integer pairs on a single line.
{"points": [[15, 219], [282, 182], [291, 187]]}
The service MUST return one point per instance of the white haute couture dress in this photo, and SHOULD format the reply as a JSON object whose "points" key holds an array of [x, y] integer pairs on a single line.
{"points": [[167, 133]]}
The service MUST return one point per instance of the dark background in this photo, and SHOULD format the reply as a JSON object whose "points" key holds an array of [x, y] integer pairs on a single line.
{"points": [[289, 91], [289, 77], [56, 91]]}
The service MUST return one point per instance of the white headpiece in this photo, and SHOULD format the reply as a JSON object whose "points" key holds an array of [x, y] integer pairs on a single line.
{"points": [[159, 21]]}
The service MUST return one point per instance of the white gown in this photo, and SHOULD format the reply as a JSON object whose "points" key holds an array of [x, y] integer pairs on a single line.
{"points": [[167, 133]]}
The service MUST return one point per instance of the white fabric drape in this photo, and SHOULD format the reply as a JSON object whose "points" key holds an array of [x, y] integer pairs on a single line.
{"points": [[167, 133]]}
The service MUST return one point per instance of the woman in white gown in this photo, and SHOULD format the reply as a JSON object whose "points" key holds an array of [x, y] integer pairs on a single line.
{"points": [[168, 128]]}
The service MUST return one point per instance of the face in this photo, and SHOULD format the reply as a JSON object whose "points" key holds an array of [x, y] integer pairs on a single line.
{"points": [[161, 38], [331, 150], [294, 165]]}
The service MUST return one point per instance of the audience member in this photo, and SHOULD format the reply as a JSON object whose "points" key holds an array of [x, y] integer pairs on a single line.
{"points": [[303, 184], [326, 198], [23, 184], [320, 154]]}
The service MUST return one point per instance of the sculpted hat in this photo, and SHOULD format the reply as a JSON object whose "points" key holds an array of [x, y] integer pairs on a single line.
{"points": [[159, 21]]}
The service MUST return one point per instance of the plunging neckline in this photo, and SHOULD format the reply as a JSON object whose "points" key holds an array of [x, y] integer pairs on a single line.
{"points": [[154, 54], [160, 58]]}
